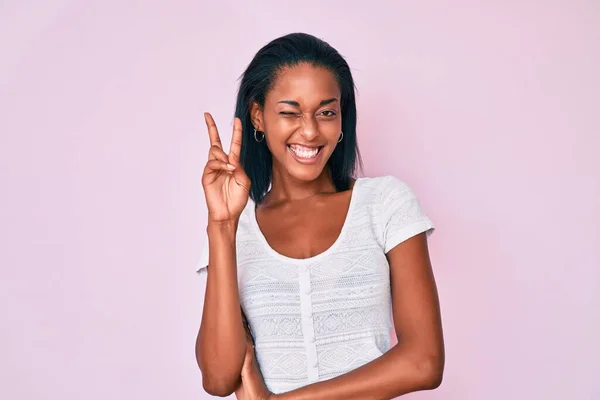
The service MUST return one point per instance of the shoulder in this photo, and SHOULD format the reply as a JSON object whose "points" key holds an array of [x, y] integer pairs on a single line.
{"points": [[387, 186], [393, 198], [399, 212]]}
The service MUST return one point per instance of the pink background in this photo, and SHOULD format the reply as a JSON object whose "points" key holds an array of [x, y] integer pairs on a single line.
{"points": [[490, 110]]}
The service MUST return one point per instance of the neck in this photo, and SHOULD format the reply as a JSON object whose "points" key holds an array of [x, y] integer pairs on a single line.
{"points": [[287, 188]]}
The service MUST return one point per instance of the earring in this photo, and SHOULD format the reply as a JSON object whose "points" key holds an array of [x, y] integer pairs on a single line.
{"points": [[256, 138], [341, 137]]}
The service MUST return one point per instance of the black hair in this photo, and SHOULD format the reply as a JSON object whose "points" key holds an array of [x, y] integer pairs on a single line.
{"points": [[256, 81]]}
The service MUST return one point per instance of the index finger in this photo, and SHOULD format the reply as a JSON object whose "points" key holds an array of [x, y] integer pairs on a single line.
{"points": [[236, 142], [213, 133]]}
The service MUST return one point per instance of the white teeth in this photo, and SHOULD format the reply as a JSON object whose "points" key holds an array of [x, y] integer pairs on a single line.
{"points": [[304, 152]]}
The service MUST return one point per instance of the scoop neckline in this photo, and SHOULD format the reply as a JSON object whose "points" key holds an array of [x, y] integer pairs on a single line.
{"points": [[317, 257]]}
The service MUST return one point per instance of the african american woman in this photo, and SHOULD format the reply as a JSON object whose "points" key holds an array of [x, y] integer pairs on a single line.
{"points": [[306, 265]]}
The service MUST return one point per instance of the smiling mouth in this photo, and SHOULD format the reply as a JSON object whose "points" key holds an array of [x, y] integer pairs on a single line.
{"points": [[304, 152]]}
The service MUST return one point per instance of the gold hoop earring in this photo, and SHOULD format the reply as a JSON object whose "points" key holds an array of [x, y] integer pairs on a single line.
{"points": [[341, 136], [256, 138]]}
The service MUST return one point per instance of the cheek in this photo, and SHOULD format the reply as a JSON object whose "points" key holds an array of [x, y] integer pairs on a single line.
{"points": [[287, 125], [279, 129], [331, 129], [276, 134]]}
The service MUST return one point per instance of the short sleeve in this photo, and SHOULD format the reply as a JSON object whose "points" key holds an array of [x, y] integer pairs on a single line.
{"points": [[401, 214], [202, 264]]}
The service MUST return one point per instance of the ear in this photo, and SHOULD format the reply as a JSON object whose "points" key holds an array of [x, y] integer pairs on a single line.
{"points": [[256, 115]]}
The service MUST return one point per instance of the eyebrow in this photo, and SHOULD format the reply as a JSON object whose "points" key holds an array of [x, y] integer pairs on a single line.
{"points": [[296, 104]]}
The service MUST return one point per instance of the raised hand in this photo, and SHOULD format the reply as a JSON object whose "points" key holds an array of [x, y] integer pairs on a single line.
{"points": [[226, 185]]}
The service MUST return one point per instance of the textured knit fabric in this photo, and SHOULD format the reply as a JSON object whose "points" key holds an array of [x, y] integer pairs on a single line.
{"points": [[316, 318]]}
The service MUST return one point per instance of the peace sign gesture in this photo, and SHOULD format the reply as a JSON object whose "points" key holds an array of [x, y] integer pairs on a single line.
{"points": [[226, 185]]}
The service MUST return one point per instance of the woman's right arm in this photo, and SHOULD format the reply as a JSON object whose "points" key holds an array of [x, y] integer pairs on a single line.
{"points": [[221, 342]]}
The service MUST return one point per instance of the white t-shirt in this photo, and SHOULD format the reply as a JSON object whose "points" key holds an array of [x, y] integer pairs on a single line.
{"points": [[316, 318]]}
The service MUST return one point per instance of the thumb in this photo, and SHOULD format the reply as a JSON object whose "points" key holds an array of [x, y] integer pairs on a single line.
{"points": [[241, 179]]}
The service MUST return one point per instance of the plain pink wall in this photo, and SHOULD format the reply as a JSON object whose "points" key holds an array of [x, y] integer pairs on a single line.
{"points": [[488, 109]]}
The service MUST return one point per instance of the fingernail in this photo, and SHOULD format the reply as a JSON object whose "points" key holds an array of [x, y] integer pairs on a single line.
{"points": [[230, 167]]}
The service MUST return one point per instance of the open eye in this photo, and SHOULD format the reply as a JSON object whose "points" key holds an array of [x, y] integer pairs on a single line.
{"points": [[328, 113]]}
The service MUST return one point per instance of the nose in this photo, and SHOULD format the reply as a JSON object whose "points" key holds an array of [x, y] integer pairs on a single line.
{"points": [[310, 128]]}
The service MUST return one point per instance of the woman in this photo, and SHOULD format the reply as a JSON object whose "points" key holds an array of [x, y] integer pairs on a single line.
{"points": [[313, 259]]}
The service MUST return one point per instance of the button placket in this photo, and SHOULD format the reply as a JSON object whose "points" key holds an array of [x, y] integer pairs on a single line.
{"points": [[307, 324]]}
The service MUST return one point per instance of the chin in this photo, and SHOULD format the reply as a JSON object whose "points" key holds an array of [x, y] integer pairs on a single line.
{"points": [[305, 173], [308, 176]]}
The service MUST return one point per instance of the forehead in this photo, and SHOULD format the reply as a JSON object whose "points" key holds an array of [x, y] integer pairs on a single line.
{"points": [[304, 83]]}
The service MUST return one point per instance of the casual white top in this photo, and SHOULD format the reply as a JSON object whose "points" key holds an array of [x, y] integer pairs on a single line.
{"points": [[316, 318]]}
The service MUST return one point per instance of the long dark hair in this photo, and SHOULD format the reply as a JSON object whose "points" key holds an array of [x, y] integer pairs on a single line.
{"points": [[259, 78]]}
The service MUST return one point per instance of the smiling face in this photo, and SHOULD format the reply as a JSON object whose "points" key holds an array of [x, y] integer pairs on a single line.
{"points": [[301, 120]]}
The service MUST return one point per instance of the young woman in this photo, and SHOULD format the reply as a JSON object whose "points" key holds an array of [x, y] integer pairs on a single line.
{"points": [[317, 262]]}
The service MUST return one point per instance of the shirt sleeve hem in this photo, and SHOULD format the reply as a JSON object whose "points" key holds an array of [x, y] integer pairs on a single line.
{"points": [[202, 270], [420, 226]]}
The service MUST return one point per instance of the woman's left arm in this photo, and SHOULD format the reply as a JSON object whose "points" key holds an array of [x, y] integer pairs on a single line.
{"points": [[417, 361]]}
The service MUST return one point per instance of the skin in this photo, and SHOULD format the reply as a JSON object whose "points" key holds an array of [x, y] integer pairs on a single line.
{"points": [[303, 107], [221, 335]]}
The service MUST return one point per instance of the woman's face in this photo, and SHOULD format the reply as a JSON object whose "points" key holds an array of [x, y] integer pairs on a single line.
{"points": [[301, 120]]}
